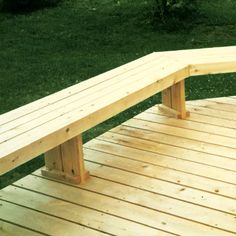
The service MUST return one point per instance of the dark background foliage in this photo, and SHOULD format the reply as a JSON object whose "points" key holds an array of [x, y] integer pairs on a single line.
{"points": [[173, 15], [20, 6]]}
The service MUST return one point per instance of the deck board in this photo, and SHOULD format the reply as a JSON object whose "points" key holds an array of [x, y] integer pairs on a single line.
{"points": [[152, 175], [8, 229]]}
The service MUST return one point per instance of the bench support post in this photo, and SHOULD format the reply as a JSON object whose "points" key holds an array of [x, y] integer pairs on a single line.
{"points": [[173, 101], [65, 162]]}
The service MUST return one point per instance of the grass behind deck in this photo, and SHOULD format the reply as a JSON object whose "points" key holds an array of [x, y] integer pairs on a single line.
{"points": [[54, 48]]}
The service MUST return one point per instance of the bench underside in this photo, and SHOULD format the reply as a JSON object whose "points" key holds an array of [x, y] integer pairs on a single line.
{"points": [[153, 175]]}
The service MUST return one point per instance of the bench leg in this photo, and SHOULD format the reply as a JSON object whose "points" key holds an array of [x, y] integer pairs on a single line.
{"points": [[66, 162], [173, 101]]}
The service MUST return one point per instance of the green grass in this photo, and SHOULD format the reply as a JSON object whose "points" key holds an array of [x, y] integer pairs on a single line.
{"points": [[50, 49]]}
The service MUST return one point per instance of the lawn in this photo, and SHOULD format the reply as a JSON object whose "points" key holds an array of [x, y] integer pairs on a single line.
{"points": [[50, 49]]}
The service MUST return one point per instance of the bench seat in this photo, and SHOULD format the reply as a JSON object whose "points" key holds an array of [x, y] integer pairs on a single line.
{"points": [[40, 126]]}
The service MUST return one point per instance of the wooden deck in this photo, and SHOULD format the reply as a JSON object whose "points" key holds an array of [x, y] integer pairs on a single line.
{"points": [[153, 175]]}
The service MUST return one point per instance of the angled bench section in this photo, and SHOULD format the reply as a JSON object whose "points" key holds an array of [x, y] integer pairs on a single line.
{"points": [[53, 125]]}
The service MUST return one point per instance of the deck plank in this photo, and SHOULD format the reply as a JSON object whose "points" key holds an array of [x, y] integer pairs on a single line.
{"points": [[8, 229], [40, 222], [183, 132], [135, 212], [170, 150], [76, 213], [152, 175], [165, 204], [206, 118], [214, 104], [189, 124], [168, 174], [226, 115], [146, 157], [162, 187], [155, 136], [225, 100]]}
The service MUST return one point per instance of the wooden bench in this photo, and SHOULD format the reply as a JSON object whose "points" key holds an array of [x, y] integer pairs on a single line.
{"points": [[53, 125]]}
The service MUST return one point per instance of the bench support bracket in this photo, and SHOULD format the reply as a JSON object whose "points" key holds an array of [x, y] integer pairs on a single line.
{"points": [[65, 162], [173, 101]]}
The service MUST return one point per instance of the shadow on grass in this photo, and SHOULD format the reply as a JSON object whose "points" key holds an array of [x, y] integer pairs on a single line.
{"points": [[21, 171], [25, 6]]}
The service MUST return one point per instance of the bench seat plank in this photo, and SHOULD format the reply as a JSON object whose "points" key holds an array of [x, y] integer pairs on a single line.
{"points": [[192, 54], [207, 60], [65, 126], [44, 124], [51, 99], [79, 99]]}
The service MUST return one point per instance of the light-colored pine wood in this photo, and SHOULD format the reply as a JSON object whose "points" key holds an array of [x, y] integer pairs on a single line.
{"points": [[176, 141], [178, 98], [53, 159], [66, 162], [161, 187], [43, 102], [77, 213], [213, 104], [164, 204], [92, 102], [7, 229], [224, 100], [197, 116], [184, 133], [207, 60], [72, 101], [43, 223], [110, 203], [210, 67], [166, 97], [173, 101], [166, 174], [189, 124], [169, 150], [49, 135], [203, 53], [152, 175], [226, 115], [137, 153]]}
